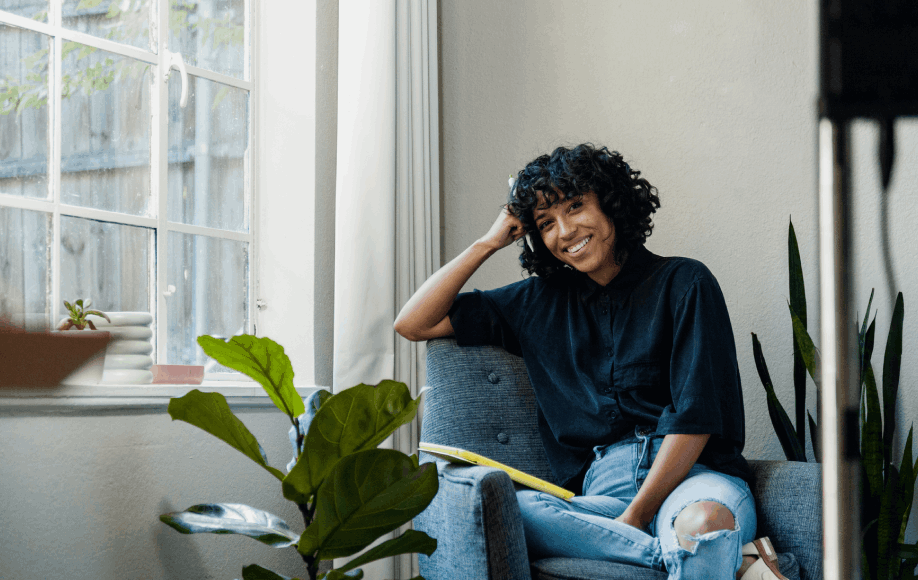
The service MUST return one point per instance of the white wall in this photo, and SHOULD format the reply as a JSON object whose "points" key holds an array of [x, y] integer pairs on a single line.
{"points": [[82, 488], [714, 101]]}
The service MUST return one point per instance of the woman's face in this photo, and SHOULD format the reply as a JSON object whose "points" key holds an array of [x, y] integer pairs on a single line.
{"points": [[578, 233]]}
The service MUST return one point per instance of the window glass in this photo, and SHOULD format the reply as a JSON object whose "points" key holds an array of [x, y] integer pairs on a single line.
{"points": [[125, 21], [210, 277], [207, 146], [107, 263], [209, 34], [105, 130], [23, 112], [24, 266], [34, 9]]}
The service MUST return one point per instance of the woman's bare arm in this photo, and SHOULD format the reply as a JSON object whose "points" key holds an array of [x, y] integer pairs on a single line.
{"points": [[425, 315]]}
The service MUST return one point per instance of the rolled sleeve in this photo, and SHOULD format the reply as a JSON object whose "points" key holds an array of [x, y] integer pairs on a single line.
{"points": [[704, 377]]}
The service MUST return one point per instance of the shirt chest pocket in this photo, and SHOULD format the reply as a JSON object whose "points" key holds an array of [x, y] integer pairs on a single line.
{"points": [[648, 377]]}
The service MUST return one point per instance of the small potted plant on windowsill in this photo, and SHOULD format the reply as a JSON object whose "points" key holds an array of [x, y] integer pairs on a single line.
{"points": [[90, 372]]}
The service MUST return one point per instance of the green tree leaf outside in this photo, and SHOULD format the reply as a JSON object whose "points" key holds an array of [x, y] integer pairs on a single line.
{"points": [[211, 413], [355, 419], [366, 495], [262, 359], [408, 543], [229, 518]]}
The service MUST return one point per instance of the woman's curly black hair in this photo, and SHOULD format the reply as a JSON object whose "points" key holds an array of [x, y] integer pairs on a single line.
{"points": [[624, 196]]}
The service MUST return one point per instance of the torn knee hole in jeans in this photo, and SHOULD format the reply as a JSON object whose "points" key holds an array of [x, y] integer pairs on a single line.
{"points": [[698, 539]]}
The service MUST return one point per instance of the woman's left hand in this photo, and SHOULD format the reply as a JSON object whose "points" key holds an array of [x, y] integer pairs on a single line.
{"points": [[633, 521]]}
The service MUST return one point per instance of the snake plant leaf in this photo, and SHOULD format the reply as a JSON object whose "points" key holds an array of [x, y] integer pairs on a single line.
{"points": [[355, 419], [867, 343], [784, 429], [807, 349], [211, 412], [797, 293], [892, 364], [256, 572], [872, 435], [814, 438], [366, 495], [233, 518], [887, 525], [410, 542], [262, 359], [907, 477]]}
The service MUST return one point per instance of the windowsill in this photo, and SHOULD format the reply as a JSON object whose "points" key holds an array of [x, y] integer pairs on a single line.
{"points": [[239, 394]]}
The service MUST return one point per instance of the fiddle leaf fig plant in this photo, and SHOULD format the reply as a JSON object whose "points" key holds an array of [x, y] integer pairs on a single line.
{"points": [[349, 492], [78, 311]]}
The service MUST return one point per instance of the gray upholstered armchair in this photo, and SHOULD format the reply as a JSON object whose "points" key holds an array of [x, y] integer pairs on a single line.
{"points": [[480, 399]]}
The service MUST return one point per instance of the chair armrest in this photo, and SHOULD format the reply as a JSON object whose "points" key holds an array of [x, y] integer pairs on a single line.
{"points": [[476, 521]]}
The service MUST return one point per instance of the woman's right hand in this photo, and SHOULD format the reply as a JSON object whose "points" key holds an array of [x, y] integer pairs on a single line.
{"points": [[506, 230]]}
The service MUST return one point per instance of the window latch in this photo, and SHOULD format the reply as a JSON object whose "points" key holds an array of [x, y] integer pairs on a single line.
{"points": [[175, 61]]}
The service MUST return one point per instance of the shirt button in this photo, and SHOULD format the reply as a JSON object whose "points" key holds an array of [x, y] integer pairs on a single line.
{"points": [[605, 311], [609, 352]]}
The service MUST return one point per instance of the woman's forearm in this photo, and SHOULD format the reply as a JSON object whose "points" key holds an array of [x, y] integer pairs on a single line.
{"points": [[424, 316], [676, 457]]}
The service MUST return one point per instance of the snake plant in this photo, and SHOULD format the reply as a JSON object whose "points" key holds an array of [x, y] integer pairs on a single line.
{"points": [[888, 486], [349, 492]]}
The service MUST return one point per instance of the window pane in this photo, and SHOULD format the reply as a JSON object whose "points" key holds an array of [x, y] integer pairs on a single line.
{"points": [[34, 9], [207, 146], [24, 266], [209, 34], [23, 112], [107, 263], [105, 132], [210, 276], [125, 21]]}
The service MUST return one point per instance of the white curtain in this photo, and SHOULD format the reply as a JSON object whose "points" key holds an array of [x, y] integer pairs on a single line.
{"points": [[387, 231]]}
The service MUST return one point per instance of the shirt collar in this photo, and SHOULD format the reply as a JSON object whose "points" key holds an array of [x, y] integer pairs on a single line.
{"points": [[636, 263]]}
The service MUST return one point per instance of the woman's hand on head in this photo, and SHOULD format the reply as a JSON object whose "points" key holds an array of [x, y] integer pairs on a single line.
{"points": [[506, 230]]}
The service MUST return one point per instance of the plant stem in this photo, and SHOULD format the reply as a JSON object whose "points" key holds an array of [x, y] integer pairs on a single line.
{"points": [[308, 510]]}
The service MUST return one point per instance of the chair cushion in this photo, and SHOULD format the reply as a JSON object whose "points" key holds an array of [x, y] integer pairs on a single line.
{"points": [[575, 569]]}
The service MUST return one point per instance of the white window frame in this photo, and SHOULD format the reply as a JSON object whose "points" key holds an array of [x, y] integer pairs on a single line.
{"points": [[160, 224]]}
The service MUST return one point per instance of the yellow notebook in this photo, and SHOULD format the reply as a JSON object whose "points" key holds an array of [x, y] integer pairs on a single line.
{"points": [[456, 455]]}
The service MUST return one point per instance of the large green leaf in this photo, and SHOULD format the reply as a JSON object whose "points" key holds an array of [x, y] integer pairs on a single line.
{"points": [[892, 364], [807, 349], [867, 342], [871, 435], [410, 542], [256, 572], [262, 359], [797, 293], [784, 429], [211, 412], [233, 518], [366, 495], [353, 420]]}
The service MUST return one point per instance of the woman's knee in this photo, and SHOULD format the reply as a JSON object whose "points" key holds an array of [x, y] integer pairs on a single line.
{"points": [[701, 518]]}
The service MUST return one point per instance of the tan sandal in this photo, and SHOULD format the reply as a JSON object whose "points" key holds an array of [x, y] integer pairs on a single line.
{"points": [[766, 566]]}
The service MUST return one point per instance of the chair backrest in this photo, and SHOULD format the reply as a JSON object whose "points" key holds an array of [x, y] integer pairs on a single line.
{"points": [[481, 400]]}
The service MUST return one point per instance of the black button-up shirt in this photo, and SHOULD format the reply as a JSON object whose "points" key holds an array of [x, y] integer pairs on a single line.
{"points": [[653, 348]]}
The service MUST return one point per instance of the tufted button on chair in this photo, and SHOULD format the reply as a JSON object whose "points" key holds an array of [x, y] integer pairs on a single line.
{"points": [[480, 399]]}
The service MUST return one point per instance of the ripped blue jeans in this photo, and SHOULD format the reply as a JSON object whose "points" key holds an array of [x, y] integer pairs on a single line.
{"points": [[585, 527]]}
